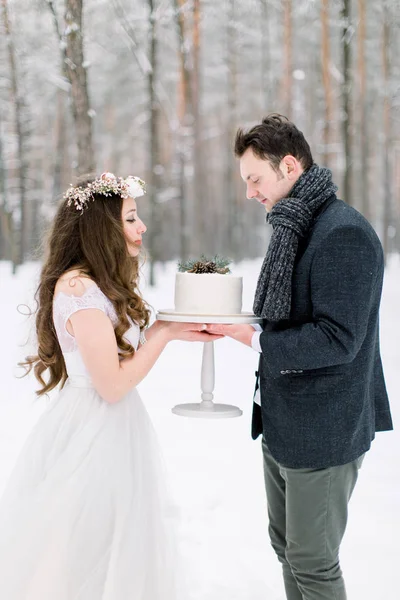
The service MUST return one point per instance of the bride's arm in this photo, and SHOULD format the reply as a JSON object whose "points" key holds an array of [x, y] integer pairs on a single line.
{"points": [[150, 331], [96, 341]]}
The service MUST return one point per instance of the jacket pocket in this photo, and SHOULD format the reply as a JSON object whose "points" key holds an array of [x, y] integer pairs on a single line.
{"points": [[318, 381]]}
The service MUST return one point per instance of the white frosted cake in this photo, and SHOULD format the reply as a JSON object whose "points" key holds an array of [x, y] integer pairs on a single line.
{"points": [[208, 294]]}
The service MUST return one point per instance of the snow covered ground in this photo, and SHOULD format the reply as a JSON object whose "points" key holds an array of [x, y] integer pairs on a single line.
{"points": [[215, 469]]}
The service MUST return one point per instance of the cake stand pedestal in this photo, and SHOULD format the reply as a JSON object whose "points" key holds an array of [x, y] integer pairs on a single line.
{"points": [[207, 409]]}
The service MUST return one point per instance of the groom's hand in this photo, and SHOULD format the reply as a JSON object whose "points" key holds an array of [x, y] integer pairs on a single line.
{"points": [[240, 333], [187, 332]]}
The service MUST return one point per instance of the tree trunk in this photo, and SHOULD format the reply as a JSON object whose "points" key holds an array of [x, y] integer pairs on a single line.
{"points": [[346, 106], [288, 59], [185, 137], [19, 255], [266, 70], [386, 130], [362, 112], [8, 247], [3, 205], [153, 179], [233, 227], [79, 90], [200, 185], [326, 79], [61, 148]]}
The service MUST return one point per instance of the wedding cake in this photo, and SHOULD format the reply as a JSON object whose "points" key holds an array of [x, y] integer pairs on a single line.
{"points": [[206, 287]]}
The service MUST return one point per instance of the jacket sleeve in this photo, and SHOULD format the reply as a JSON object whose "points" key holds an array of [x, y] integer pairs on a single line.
{"points": [[345, 272]]}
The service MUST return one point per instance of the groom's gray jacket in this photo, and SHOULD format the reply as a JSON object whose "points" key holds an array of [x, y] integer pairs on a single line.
{"points": [[323, 393]]}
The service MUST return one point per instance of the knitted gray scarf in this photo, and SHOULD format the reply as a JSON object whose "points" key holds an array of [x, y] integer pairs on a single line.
{"points": [[291, 219]]}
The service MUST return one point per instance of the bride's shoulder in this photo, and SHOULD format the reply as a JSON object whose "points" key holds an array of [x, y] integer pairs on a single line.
{"points": [[74, 282]]}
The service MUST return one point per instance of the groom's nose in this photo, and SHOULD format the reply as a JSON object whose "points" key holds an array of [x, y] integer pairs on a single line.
{"points": [[251, 193]]}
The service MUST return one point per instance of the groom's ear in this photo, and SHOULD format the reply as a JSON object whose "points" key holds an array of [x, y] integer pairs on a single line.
{"points": [[290, 167]]}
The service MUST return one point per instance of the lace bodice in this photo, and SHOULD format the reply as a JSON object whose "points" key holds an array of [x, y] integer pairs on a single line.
{"points": [[64, 305]]}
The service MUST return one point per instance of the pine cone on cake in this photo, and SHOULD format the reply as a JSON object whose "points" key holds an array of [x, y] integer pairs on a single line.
{"points": [[205, 265]]}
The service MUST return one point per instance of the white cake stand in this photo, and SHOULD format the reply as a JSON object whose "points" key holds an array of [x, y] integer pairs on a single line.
{"points": [[207, 409]]}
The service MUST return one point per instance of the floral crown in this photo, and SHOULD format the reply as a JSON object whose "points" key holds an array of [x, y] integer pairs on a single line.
{"points": [[106, 185]]}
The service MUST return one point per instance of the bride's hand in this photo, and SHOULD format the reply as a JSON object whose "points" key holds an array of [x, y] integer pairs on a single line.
{"points": [[240, 333], [187, 332]]}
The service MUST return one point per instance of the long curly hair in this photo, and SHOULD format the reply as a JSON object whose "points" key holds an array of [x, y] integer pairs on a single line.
{"points": [[94, 243]]}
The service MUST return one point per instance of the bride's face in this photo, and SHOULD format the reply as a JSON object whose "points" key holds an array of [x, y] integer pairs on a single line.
{"points": [[134, 228]]}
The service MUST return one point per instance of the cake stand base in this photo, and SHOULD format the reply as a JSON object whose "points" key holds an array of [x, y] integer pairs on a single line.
{"points": [[207, 409], [199, 411]]}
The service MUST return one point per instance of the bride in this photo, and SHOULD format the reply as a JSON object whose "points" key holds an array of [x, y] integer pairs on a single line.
{"points": [[81, 517]]}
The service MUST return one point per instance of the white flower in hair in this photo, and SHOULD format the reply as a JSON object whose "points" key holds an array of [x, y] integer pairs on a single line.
{"points": [[135, 186], [107, 184], [107, 176]]}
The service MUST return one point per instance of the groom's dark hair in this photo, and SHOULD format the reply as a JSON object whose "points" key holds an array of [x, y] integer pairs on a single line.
{"points": [[273, 139]]}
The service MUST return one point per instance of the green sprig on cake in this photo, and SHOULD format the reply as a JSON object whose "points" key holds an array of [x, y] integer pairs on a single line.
{"points": [[217, 264]]}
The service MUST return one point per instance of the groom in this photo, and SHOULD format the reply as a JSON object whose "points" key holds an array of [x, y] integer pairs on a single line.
{"points": [[320, 391]]}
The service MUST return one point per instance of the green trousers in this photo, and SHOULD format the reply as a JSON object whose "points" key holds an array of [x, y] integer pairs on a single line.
{"points": [[307, 511]]}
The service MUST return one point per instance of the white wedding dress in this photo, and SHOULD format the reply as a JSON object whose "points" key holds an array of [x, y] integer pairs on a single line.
{"points": [[82, 516]]}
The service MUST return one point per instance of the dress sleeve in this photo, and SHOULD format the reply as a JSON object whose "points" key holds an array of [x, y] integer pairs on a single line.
{"points": [[65, 305]]}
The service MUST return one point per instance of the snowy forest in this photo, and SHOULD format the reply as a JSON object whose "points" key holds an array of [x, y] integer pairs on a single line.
{"points": [[158, 88]]}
